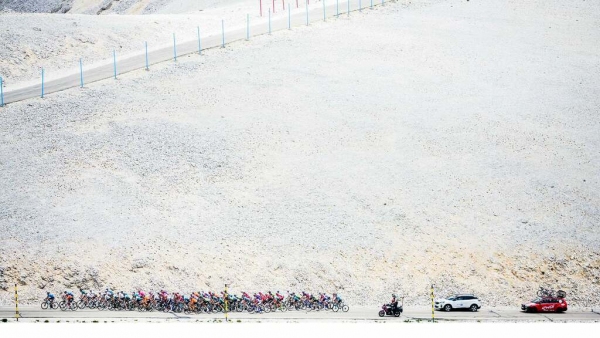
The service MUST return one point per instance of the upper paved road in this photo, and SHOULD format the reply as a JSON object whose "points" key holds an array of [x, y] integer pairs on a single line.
{"points": [[30, 313]]}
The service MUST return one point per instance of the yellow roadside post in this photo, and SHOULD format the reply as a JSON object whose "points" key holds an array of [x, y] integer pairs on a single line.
{"points": [[226, 301], [17, 315], [432, 307]]}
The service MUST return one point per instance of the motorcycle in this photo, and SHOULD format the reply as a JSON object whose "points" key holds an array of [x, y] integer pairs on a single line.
{"points": [[389, 310]]}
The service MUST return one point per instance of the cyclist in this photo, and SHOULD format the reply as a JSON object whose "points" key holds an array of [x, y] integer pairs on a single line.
{"points": [[279, 296], [336, 299], [68, 295], [49, 296]]}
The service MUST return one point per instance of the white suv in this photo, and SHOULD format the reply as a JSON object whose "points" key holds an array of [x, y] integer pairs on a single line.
{"points": [[461, 301]]}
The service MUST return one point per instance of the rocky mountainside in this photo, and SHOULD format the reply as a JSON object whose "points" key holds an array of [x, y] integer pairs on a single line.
{"points": [[454, 144], [99, 7]]}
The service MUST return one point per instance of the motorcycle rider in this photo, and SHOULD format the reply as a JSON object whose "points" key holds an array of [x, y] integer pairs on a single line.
{"points": [[394, 303]]}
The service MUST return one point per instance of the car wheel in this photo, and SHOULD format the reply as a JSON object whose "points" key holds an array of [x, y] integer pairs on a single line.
{"points": [[447, 307], [474, 308]]}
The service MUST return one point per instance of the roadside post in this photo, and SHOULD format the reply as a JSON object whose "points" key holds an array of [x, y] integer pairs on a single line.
{"points": [[223, 31], [81, 71], [324, 18], [269, 21], [42, 83], [17, 314], [360, 5], [260, 1], [226, 303], [115, 63], [146, 43], [1, 92], [247, 27], [199, 44], [174, 48], [348, 8], [371, 4], [289, 16], [307, 12], [337, 8], [432, 307]]}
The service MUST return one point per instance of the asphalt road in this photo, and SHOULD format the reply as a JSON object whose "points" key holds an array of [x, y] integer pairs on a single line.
{"points": [[130, 62], [356, 314]]}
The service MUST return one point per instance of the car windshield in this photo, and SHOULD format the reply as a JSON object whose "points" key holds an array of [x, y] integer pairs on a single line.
{"points": [[537, 300], [451, 298]]}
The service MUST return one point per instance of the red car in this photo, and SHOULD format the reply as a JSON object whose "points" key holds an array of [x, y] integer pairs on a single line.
{"points": [[545, 305]]}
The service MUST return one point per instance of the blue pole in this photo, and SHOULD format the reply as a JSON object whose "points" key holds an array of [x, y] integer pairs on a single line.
{"points": [[174, 48], [307, 12], [359, 5], [146, 43], [371, 4], [115, 63], [269, 21], [289, 16], [247, 27], [382, 3], [199, 44], [223, 30], [81, 71], [324, 19], [1, 92], [42, 83]]}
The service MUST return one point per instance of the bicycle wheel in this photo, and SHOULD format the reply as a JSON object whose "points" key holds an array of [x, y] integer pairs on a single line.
{"points": [[54, 305], [335, 308], [44, 305], [81, 304], [345, 308], [62, 305]]}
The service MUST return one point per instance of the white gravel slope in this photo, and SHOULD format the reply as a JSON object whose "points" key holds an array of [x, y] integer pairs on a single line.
{"points": [[455, 144]]}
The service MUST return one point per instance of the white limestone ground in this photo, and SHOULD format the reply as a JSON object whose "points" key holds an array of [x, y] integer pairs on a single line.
{"points": [[453, 143]]}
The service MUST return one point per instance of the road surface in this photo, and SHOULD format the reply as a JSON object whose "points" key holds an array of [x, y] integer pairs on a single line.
{"points": [[356, 314]]}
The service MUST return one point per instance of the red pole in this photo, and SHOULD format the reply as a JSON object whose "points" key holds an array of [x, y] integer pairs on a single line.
{"points": [[260, 7], [273, 6], [283, 4], [296, 3]]}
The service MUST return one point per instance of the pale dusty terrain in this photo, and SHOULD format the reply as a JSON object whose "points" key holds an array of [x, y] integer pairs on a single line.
{"points": [[450, 142]]}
